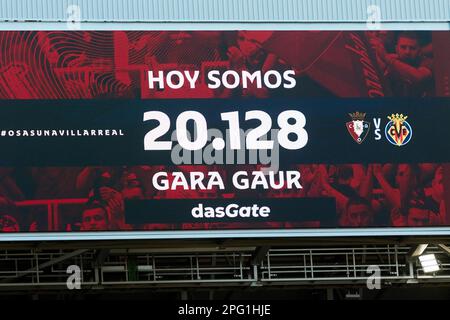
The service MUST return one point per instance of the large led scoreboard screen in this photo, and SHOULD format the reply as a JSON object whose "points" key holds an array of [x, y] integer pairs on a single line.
{"points": [[142, 131]]}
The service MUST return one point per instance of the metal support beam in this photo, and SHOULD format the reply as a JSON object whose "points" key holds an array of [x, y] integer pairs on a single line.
{"points": [[444, 247], [101, 256], [259, 254], [417, 250]]}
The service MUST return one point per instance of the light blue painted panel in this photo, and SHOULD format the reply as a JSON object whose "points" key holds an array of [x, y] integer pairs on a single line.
{"points": [[225, 10]]}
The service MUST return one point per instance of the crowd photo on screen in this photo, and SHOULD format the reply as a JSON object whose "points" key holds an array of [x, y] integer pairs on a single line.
{"points": [[94, 198]]}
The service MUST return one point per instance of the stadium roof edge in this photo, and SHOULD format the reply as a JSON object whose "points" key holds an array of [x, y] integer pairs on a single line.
{"points": [[222, 11]]}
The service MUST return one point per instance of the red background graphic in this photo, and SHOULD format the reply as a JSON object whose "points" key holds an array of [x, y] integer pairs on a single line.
{"points": [[101, 64], [114, 64]]}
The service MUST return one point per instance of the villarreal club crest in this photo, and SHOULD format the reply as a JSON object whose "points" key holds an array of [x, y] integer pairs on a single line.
{"points": [[398, 131]]}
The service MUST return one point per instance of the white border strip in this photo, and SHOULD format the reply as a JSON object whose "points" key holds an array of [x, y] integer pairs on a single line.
{"points": [[214, 234], [23, 26]]}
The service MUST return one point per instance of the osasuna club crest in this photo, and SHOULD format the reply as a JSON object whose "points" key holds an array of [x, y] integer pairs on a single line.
{"points": [[358, 128]]}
